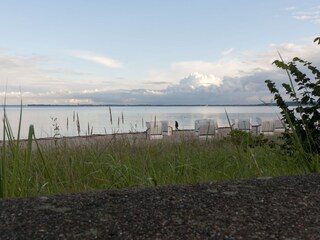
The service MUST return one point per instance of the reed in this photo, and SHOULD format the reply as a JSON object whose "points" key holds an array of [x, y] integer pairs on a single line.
{"points": [[78, 125], [110, 115]]}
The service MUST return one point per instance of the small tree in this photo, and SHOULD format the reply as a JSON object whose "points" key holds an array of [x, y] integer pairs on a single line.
{"points": [[303, 120]]}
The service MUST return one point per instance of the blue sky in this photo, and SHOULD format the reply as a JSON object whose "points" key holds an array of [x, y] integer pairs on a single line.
{"points": [[150, 51]]}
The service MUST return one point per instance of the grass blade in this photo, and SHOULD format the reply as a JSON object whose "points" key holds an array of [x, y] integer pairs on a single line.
{"points": [[16, 156], [3, 172], [27, 160]]}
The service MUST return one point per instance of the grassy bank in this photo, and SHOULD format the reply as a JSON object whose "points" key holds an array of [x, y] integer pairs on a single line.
{"points": [[114, 163]]}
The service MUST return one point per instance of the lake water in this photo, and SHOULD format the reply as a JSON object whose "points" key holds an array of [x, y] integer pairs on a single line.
{"points": [[124, 119]]}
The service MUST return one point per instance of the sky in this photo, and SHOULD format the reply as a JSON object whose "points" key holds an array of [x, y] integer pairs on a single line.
{"points": [[151, 51]]}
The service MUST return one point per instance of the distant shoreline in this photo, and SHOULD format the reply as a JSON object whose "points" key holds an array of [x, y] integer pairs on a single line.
{"points": [[143, 105], [148, 105]]}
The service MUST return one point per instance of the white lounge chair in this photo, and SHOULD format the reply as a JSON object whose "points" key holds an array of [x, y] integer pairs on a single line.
{"points": [[167, 130], [223, 132], [243, 124], [206, 128], [279, 126], [267, 127], [154, 130], [256, 126]]}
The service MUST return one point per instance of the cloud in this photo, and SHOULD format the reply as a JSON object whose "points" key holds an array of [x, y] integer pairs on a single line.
{"points": [[153, 92], [236, 66], [291, 8], [97, 58], [236, 78], [227, 52], [157, 83], [239, 79], [311, 15], [195, 81], [33, 78], [195, 88], [247, 63], [18, 70]]}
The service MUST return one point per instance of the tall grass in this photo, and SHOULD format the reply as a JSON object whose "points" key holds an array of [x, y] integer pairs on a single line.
{"points": [[33, 167], [123, 162], [12, 170], [17, 159], [9, 145]]}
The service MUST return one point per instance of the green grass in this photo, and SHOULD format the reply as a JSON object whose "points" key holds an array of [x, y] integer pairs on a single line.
{"points": [[110, 164], [30, 168]]}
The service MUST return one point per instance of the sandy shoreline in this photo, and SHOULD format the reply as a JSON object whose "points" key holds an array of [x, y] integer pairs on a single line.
{"points": [[131, 137]]}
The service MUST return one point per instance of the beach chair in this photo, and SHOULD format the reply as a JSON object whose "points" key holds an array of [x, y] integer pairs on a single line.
{"points": [[244, 125], [167, 129], [256, 126], [206, 128], [270, 127], [279, 126], [224, 128], [223, 132], [154, 130], [267, 127]]}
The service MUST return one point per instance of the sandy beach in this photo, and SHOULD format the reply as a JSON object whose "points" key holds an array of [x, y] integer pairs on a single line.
{"points": [[131, 137]]}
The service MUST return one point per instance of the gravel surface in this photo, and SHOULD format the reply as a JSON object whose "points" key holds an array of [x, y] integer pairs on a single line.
{"points": [[266, 208]]}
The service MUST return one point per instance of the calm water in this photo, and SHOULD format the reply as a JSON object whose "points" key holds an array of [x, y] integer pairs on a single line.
{"points": [[134, 118]]}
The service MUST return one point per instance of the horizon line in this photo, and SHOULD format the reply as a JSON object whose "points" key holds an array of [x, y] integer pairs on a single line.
{"points": [[136, 105]]}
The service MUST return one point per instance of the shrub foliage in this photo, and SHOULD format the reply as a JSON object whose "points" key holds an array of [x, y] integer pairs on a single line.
{"points": [[303, 90]]}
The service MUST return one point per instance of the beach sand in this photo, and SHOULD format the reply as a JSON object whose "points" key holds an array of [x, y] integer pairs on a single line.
{"points": [[136, 137]]}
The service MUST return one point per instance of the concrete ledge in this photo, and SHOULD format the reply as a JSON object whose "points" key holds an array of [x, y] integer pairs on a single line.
{"points": [[265, 208]]}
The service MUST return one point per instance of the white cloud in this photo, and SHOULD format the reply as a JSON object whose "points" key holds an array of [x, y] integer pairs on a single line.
{"points": [[196, 81], [91, 91], [39, 82], [227, 52], [236, 78], [308, 51], [232, 67], [248, 63], [311, 15], [79, 101], [16, 71], [239, 79], [292, 8], [97, 58], [153, 92]]}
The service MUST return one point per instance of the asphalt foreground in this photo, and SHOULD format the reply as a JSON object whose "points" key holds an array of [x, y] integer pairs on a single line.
{"points": [[266, 208]]}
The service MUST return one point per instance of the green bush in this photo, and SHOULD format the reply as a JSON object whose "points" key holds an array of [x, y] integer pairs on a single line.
{"points": [[303, 132], [245, 139]]}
